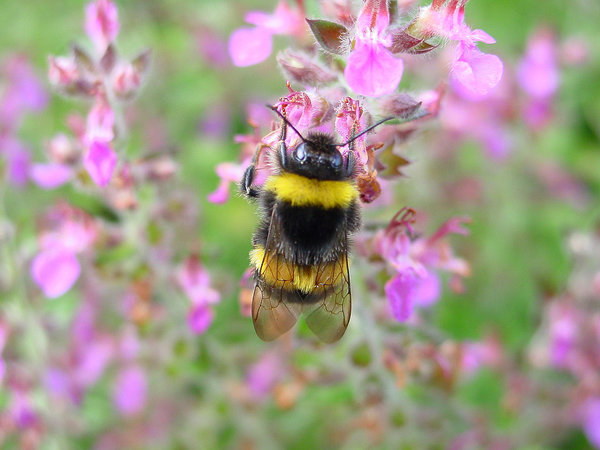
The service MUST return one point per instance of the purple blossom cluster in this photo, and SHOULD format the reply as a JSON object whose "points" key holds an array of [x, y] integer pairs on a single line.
{"points": [[106, 79], [371, 43], [111, 307], [570, 334]]}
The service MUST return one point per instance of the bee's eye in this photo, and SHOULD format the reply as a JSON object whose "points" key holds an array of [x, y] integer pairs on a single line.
{"points": [[336, 160], [300, 153]]}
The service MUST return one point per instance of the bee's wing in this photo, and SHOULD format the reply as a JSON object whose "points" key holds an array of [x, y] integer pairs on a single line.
{"points": [[329, 318], [271, 314]]}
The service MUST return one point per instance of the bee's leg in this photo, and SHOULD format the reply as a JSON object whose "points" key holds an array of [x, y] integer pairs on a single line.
{"points": [[248, 177], [246, 183], [283, 156], [350, 163]]}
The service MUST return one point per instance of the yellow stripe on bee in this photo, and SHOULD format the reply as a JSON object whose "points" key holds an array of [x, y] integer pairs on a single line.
{"points": [[277, 271], [303, 191]]}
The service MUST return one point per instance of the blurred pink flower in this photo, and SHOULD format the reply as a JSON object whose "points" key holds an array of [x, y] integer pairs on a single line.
{"points": [[538, 73], [126, 80], [416, 262], [212, 48], [55, 270], [372, 70], [473, 73], [590, 412], [62, 71], [22, 410], [130, 390], [3, 339], [100, 122], [50, 175], [101, 23], [100, 161], [265, 373], [195, 282], [18, 160], [476, 354], [564, 332], [538, 76], [481, 119], [91, 359], [249, 46], [23, 92], [69, 231], [199, 318], [399, 291], [228, 173]]}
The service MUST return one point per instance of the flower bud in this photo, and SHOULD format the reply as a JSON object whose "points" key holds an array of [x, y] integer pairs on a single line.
{"points": [[62, 71], [126, 81], [302, 69]]}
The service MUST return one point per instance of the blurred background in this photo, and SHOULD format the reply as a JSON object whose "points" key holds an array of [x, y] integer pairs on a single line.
{"points": [[507, 358]]}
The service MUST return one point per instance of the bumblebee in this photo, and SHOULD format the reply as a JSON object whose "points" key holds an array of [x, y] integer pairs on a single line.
{"points": [[308, 211]]}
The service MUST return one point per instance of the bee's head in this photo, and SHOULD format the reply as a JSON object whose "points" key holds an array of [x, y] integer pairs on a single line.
{"points": [[317, 157]]}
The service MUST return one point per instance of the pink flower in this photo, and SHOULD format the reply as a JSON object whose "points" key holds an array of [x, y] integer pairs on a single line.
{"points": [[100, 123], [473, 73], [591, 420], [537, 73], [62, 71], [91, 361], [23, 93], [69, 231], [101, 23], [55, 270], [199, 318], [229, 173], [249, 46], [564, 329], [399, 291], [18, 160], [372, 70], [407, 290], [130, 391], [100, 161], [3, 339], [416, 262], [195, 282], [126, 80], [476, 354], [51, 175], [22, 410], [265, 373]]}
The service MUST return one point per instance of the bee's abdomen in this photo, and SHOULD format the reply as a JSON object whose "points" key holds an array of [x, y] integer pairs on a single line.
{"points": [[311, 228]]}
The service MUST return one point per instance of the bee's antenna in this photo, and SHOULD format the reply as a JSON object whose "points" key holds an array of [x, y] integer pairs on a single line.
{"points": [[286, 121], [364, 131]]}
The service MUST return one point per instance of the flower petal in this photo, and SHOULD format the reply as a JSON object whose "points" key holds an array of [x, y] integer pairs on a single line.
{"points": [[427, 290], [100, 162], [475, 73], [372, 70], [55, 270], [101, 23], [50, 176], [130, 391], [249, 46], [400, 293], [199, 318]]}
